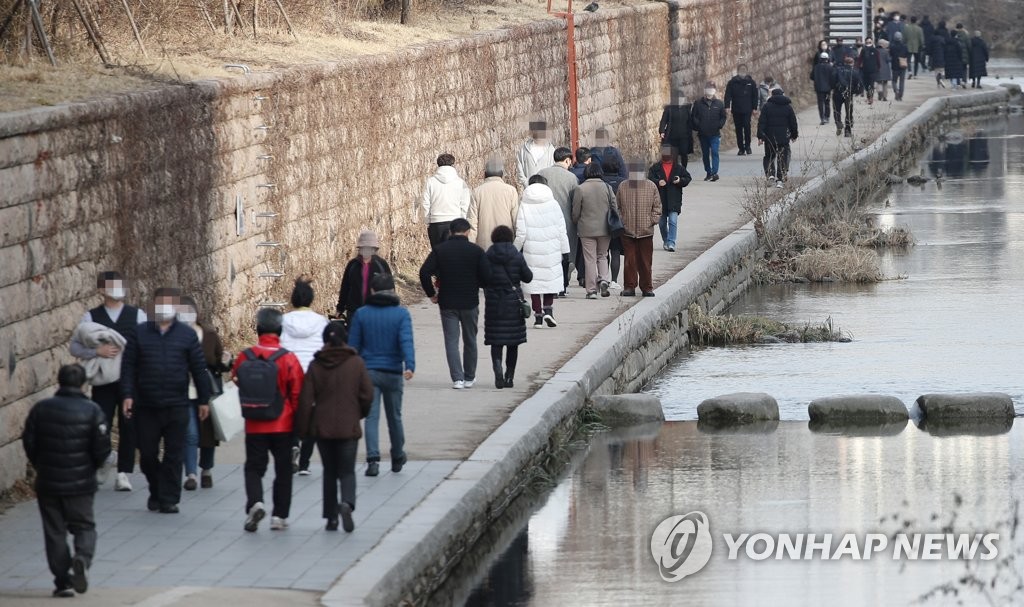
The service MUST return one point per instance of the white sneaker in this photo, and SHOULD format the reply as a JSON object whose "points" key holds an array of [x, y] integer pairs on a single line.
{"points": [[615, 285], [122, 483], [778, 183], [459, 385], [255, 515], [468, 384], [304, 472], [278, 524]]}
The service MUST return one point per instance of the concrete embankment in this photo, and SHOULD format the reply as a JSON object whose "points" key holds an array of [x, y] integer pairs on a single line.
{"points": [[414, 557]]}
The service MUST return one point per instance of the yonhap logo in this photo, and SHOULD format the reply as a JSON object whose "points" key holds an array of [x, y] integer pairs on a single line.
{"points": [[681, 545]]}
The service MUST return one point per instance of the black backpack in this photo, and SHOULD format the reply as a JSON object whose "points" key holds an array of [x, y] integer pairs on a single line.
{"points": [[258, 391]]}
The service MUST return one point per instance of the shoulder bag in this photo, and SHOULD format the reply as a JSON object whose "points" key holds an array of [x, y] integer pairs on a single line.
{"points": [[525, 310], [615, 225]]}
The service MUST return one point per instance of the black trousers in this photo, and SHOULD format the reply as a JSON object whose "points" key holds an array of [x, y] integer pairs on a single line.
{"points": [[838, 103], [824, 112], [61, 515], [776, 159], [742, 124], [438, 232], [581, 265], [108, 397], [339, 458], [258, 449], [918, 59], [511, 358], [169, 424]]}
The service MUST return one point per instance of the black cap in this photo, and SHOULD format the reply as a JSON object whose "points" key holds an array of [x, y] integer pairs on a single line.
{"points": [[383, 282]]}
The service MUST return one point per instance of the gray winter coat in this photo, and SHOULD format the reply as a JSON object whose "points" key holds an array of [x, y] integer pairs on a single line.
{"points": [[590, 207]]}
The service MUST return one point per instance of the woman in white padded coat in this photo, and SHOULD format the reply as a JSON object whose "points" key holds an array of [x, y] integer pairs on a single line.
{"points": [[541, 236]]}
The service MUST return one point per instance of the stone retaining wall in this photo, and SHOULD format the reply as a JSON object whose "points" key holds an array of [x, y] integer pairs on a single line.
{"points": [[151, 183]]}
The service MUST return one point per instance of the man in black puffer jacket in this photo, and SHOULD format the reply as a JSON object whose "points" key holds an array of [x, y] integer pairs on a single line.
{"points": [[461, 269], [775, 129], [67, 440], [741, 96]]}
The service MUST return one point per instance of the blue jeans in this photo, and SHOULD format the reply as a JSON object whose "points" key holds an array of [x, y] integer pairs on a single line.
{"points": [[668, 224], [196, 456], [389, 387], [709, 149]]}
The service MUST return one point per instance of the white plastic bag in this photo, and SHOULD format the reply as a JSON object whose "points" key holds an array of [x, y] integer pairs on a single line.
{"points": [[226, 411]]}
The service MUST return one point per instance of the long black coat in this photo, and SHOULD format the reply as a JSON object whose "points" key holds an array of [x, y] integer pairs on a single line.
{"points": [[979, 57], [350, 296], [937, 49], [67, 439], [675, 128], [503, 322], [821, 75], [955, 67]]}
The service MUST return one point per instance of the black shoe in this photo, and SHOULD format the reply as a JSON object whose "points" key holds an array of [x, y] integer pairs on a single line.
{"points": [[346, 517], [398, 462], [549, 318], [372, 468], [628, 293], [206, 480], [170, 509], [508, 378], [839, 130], [152, 505], [604, 289], [190, 484], [79, 579], [332, 524], [648, 293], [64, 593], [742, 152], [538, 321], [848, 133], [707, 177], [714, 177], [499, 374], [561, 294]]}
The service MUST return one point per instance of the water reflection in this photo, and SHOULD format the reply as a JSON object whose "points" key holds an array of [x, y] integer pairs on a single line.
{"points": [[787, 481], [952, 325]]}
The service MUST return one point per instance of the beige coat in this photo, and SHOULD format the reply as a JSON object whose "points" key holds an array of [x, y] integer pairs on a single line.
{"points": [[494, 203], [590, 206]]}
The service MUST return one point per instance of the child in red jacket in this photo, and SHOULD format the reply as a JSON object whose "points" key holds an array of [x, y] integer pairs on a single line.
{"points": [[266, 437]]}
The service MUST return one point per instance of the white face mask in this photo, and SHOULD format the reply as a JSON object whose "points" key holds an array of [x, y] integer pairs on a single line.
{"points": [[188, 317], [163, 312], [117, 293], [709, 93]]}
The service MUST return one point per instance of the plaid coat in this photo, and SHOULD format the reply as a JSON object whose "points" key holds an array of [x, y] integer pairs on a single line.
{"points": [[639, 207]]}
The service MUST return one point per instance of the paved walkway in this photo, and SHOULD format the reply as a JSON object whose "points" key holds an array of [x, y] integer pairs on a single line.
{"points": [[202, 556]]}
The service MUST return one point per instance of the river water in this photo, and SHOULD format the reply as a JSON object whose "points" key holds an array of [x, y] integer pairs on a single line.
{"points": [[952, 324]]}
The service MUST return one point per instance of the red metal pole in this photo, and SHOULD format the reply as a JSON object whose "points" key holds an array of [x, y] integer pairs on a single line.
{"points": [[570, 30]]}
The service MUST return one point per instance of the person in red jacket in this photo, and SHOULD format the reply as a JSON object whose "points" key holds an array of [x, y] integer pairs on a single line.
{"points": [[264, 438]]}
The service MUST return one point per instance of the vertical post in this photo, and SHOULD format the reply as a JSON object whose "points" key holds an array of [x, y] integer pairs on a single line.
{"points": [[574, 119]]}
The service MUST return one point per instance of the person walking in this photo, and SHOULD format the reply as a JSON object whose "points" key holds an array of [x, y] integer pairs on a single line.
{"points": [[359, 274], [302, 335], [504, 325], [899, 58], [846, 84], [269, 379], [611, 175], [979, 60], [67, 439], [93, 348], [885, 73], [563, 184], [336, 395], [445, 197], [928, 30], [461, 270], [821, 76], [956, 66], [674, 127], [913, 37], [159, 359], [869, 62], [382, 335], [590, 213], [494, 203], [776, 127], [603, 151], [708, 118], [535, 154], [764, 90], [670, 177], [200, 439], [542, 237], [641, 207], [741, 96], [937, 52]]}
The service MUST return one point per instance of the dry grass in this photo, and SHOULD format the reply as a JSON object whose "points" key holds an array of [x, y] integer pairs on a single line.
{"points": [[20, 491], [182, 46], [844, 263], [726, 329]]}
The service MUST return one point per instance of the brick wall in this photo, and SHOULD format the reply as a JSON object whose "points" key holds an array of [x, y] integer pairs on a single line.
{"points": [[149, 183]]}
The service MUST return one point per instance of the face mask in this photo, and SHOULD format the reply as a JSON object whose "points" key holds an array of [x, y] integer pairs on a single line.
{"points": [[188, 317], [638, 176], [366, 252], [163, 312], [709, 93], [117, 293]]}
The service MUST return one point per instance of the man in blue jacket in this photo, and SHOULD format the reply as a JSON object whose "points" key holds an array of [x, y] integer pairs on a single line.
{"points": [[381, 332], [159, 358]]}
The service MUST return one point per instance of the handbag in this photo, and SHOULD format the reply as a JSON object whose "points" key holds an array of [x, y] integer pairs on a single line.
{"points": [[903, 63], [615, 226], [226, 413], [525, 310]]}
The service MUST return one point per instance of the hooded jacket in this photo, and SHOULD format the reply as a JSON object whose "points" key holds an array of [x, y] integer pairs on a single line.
{"points": [[67, 439], [381, 331], [336, 394], [503, 320], [542, 237], [289, 382], [777, 124], [494, 203], [445, 197], [741, 95], [302, 332]]}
